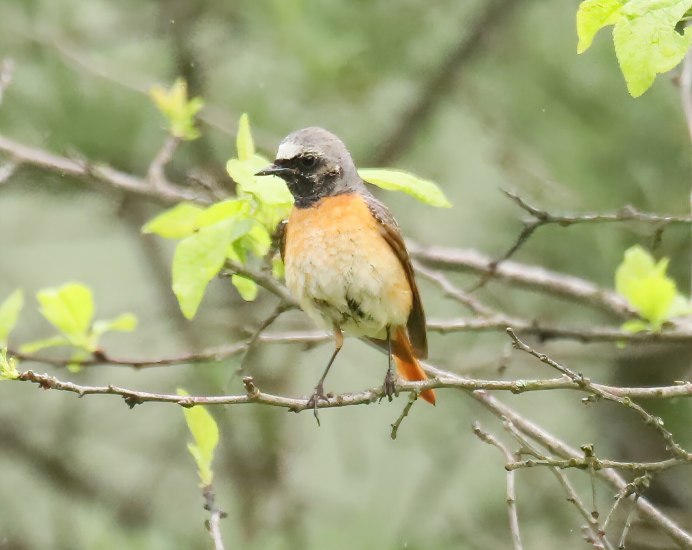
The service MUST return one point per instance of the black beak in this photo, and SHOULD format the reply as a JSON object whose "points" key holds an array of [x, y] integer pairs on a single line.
{"points": [[274, 170]]}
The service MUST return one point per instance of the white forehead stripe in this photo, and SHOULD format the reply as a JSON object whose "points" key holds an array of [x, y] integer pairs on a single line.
{"points": [[288, 150]]}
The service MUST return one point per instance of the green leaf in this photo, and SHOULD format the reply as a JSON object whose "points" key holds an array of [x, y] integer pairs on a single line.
{"points": [[635, 325], [592, 16], [396, 180], [205, 433], [244, 142], [38, 345], [9, 313], [247, 288], [175, 223], [68, 308], [197, 260], [178, 109], [126, 322], [647, 42], [8, 366], [224, 210], [257, 240], [645, 285], [267, 189]]}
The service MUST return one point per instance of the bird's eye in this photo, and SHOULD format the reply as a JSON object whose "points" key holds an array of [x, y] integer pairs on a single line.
{"points": [[308, 161]]}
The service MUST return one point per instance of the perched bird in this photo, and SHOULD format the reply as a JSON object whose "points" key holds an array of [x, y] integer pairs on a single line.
{"points": [[345, 259]]}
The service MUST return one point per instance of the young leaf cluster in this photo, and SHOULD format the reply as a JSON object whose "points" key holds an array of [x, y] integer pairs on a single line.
{"points": [[238, 228], [649, 290], [649, 36], [205, 433], [179, 110]]}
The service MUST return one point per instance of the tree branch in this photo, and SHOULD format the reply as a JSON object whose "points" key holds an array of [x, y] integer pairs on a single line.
{"points": [[558, 448], [511, 498], [165, 192], [526, 276], [597, 392]]}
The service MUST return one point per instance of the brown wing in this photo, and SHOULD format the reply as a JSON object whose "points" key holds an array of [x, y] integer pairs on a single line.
{"points": [[390, 232], [279, 238]]}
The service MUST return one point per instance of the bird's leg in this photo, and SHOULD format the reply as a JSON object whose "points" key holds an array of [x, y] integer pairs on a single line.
{"points": [[390, 378], [319, 389]]}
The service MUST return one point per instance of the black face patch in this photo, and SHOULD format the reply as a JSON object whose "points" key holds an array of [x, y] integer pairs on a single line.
{"points": [[309, 178]]}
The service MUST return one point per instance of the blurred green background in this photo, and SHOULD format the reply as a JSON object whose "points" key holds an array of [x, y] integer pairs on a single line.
{"points": [[517, 109]]}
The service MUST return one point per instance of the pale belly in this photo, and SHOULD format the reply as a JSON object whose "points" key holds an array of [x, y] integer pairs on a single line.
{"points": [[344, 273]]}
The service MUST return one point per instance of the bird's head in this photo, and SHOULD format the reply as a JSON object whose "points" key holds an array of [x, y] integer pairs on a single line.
{"points": [[315, 164]]}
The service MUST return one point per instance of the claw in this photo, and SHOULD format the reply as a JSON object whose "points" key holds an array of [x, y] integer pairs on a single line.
{"points": [[317, 396], [389, 387]]}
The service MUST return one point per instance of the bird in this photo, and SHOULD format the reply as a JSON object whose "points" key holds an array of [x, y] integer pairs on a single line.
{"points": [[345, 260]]}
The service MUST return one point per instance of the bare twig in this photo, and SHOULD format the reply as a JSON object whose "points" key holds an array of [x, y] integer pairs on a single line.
{"points": [[216, 354], [439, 378], [155, 173], [540, 217], [215, 517], [636, 486], [257, 334], [628, 524], [596, 532], [166, 192], [413, 396], [511, 490], [650, 420], [543, 332], [561, 449], [523, 275], [453, 292]]}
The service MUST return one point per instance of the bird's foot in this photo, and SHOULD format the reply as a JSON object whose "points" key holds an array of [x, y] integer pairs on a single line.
{"points": [[389, 387], [317, 396]]}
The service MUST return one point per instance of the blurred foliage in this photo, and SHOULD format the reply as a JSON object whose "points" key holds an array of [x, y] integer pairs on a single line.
{"points": [[647, 35], [524, 112], [178, 109]]}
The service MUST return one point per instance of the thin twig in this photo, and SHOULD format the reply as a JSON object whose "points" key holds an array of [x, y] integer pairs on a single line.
{"points": [[523, 275], [628, 524], [167, 192], [413, 396], [217, 354], [453, 292], [215, 517], [650, 420], [155, 173], [540, 217], [257, 334], [636, 486], [543, 332], [597, 533], [562, 450], [511, 497]]}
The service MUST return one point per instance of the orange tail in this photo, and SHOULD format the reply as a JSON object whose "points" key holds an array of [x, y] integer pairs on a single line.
{"points": [[407, 365]]}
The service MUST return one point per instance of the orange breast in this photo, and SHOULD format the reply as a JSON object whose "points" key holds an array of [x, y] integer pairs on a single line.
{"points": [[342, 271]]}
